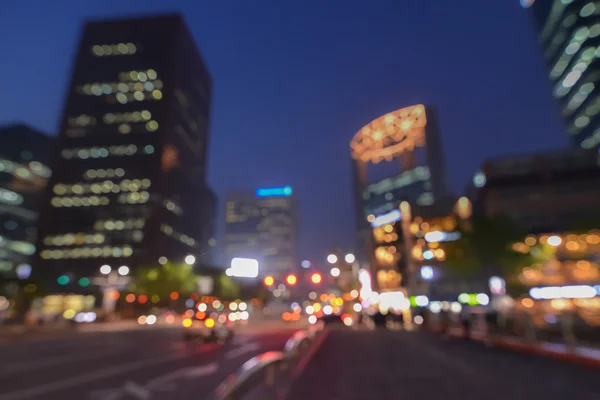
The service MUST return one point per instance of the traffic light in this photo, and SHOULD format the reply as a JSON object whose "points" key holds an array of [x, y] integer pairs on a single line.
{"points": [[291, 279], [316, 278], [269, 281]]}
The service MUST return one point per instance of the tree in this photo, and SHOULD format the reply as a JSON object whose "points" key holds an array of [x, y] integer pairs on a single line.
{"points": [[164, 279], [487, 242]]}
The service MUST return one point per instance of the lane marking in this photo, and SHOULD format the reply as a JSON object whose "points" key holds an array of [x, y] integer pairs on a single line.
{"points": [[50, 361], [162, 383], [241, 350], [77, 380]]}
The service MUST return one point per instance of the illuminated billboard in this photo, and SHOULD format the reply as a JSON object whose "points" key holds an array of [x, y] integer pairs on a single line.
{"points": [[243, 268], [275, 191]]}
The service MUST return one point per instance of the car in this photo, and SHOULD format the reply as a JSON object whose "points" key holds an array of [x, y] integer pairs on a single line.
{"points": [[206, 330]]}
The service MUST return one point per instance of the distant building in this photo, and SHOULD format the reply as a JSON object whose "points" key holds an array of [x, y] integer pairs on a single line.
{"points": [[408, 137], [545, 192], [262, 225], [130, 183], [24, 172], [569, 33]]}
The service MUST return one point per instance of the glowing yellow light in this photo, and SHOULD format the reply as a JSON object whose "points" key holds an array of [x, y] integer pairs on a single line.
{"points": [[157, 94], [209, 322], [187, 322], [530, 241], [152, 126], [390, 135], [527, 303]]}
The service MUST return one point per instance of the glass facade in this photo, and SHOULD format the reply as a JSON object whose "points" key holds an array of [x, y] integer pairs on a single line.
{"points": [[24, 173], [263, 228], [569, 33], [130, 176]]}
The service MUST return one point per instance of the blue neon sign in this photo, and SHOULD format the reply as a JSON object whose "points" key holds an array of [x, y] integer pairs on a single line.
{"points": [[276, 191]]}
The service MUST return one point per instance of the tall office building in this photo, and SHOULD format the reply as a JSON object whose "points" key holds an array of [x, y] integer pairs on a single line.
{"points": [[262, 225], [569, 33], [24, 173], [129, 185], [409, 138]]}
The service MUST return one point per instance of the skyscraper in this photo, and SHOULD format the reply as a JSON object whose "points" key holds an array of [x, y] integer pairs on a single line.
{"points": [[24, 173], [408, 137], [262, 225], [569, 33], [129, 186]]}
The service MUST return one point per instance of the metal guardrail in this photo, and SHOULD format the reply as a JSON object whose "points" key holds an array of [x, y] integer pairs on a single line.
{"points": [[264, 371]]}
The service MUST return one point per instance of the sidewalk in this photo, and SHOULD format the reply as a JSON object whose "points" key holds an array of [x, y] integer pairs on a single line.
{"points": [[588, 356]]}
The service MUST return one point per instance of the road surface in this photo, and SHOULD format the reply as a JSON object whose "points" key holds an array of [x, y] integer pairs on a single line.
{"points": [[142, 364], [382, 365]]}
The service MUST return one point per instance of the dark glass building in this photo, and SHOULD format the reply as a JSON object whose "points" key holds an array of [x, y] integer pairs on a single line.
{"points": [[130, 179], [545, 192], [24, 173], [262, 225], [569, 34]]}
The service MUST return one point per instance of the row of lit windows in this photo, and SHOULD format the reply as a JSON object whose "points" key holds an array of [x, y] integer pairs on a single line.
{"points": [[119, 225], [25, 171], [69, 239], [99, 89], [136, 116], [82, 120], [101, 152], [168, 230], [104, 173], [80, 201], [125, 185], [138, 96], [134, 198], [113, 49], [577, 40], [173, 207], [141, 76], [87, 252], [564, 86]]}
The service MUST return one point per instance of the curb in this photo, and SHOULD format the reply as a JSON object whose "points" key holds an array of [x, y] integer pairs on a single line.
{"points": [[535, 350]]}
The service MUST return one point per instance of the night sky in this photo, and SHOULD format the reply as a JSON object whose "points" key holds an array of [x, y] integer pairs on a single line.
{"points": [[294, 80]]}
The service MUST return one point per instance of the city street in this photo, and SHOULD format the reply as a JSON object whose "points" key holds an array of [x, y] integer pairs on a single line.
{"points": [[352, 365], [137, 364]]}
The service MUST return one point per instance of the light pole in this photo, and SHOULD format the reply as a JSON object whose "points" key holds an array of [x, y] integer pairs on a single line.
{"points": [[110, 283]]}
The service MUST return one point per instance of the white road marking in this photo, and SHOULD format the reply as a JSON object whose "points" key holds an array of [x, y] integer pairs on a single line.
{"points": [[163, 383], [50, 361], [241, 350], [77, 380]]}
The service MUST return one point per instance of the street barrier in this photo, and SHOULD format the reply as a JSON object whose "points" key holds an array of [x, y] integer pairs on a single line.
{"points": [[266, 376]]}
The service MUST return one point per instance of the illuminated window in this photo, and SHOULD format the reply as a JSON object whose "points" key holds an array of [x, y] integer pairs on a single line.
{"points": [[152, 126], [124, 129]]}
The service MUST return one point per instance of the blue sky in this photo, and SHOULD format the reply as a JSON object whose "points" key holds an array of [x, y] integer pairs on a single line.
{"points": [[294, 80]]}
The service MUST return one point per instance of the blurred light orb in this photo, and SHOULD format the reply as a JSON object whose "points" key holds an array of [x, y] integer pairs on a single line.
{"points": [[426, 272], [123, 270], [455, 307], [357, 307], [150, 319], [554, 240], [349, 258], [305, 264], [335, 272], [418, 320], [527, 3], [483, 299], [332, 259], [105, 269], [312, 320], [142, 320], [190, 259], [348, 321]]}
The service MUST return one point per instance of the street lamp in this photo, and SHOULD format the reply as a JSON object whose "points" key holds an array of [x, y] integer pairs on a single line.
{"points": [[190, 259], [105, 269], [349, 258], [332, 259], [123, 270]]}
